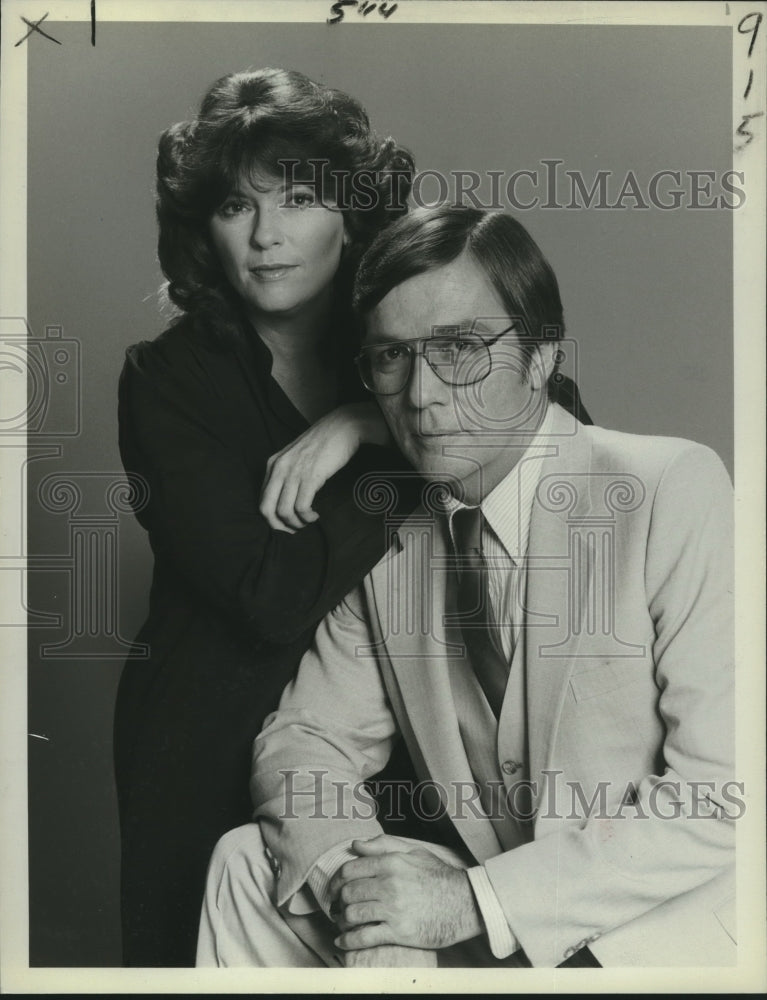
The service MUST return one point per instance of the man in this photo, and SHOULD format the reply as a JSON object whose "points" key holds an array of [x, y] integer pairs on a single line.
{"points": [[552, 641]]}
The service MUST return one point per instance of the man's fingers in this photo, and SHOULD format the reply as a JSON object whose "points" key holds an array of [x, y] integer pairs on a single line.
{"points": [[356, 914], [382, 844], [368, 936], [374, 859], [361, 890], [350, 872], [362, 868]]}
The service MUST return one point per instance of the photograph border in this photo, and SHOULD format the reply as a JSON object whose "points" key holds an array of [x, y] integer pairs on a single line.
{"points": [[750, 975]]}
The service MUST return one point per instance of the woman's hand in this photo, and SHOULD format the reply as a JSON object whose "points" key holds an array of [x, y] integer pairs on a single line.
{"points": [[295, 474]]}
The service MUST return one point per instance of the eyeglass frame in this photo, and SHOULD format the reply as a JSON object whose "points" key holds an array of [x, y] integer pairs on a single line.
{"points": [[413, 354]]}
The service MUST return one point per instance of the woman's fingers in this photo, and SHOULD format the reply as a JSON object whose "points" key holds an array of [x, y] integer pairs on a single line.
{"points": [[295, 474], [268, 509], [286, 505], [287, 497], [291, 484], [305, 495], [271, 503]]}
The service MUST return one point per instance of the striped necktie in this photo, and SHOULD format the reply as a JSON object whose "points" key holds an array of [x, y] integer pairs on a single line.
{"points": [[475, 613]]}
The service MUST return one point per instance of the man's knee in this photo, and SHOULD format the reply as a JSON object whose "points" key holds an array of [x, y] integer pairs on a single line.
{"points": [[240, 864], [240, 924]]}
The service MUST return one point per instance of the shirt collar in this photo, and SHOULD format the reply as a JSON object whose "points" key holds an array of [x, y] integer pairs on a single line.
{"points": [[507, 508]]}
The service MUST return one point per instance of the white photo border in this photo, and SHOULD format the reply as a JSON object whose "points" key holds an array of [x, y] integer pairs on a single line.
{"points": [[749, 309]]}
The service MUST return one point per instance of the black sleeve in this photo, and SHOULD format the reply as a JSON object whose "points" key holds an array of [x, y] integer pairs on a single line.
{"points": [[177, 433]]}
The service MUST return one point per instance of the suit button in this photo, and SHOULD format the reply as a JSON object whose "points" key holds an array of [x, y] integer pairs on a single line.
{"points": [[511, 766], [274, 864]]}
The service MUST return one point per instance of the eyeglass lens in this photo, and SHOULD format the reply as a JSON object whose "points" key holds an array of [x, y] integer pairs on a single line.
{"points": [[386, 368]]}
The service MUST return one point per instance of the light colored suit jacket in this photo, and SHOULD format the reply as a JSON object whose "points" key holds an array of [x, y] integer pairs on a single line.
{"points": [[627, 649]]}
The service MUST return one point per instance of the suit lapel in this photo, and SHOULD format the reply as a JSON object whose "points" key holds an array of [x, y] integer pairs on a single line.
{"points": [[558, 585], [408, 591]]}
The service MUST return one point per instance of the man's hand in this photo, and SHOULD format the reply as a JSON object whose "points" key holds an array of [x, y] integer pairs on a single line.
{"points": [[408, 897], [390, 956]]}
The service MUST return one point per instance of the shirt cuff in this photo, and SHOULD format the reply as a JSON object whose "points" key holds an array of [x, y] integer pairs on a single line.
{"points": [[499, 936], [323, 870]]}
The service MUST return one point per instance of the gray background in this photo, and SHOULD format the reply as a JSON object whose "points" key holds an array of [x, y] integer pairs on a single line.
{"points": [[647, 294]]}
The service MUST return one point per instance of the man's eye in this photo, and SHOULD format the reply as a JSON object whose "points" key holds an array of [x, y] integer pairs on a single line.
{"points": [[391, 354], [388, 357]]}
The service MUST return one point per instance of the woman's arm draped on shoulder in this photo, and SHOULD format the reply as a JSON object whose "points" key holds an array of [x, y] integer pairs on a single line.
{"points": [[176, 431], [295, 474]]}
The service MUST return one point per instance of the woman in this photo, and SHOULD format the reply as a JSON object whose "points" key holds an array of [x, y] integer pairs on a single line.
{"points": [[258, 240]]}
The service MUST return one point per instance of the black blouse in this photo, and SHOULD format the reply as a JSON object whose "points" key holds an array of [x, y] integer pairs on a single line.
{"points": [[198, 421]]}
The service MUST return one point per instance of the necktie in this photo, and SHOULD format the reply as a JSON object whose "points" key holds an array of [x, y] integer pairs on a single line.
{"points": [[478, 627]]}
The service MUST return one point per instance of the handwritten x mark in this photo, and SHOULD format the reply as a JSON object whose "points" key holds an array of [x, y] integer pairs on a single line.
{"points": [[35, 26]]}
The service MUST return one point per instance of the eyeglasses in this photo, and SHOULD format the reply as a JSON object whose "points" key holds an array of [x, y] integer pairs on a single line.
{"points": [[456, 359]]}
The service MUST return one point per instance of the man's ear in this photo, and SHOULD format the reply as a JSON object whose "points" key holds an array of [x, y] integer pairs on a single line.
{"points": [[542, 364]]}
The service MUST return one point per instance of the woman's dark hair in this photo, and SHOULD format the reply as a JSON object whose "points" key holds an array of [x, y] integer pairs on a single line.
{"points": [[251, 123], [432, 237]]}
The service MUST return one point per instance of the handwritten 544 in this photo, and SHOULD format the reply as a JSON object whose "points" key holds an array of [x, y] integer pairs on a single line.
{"points": [[363, 9]]}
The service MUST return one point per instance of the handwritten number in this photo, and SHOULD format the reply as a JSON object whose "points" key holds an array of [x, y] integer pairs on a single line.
{"points": [[752, 31], [749, 24], [338, 10], [745, 133], [366, 7]]}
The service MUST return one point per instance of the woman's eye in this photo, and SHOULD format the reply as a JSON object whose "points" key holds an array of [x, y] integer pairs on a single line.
{"points": [[232, 208], [300, 199]]}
